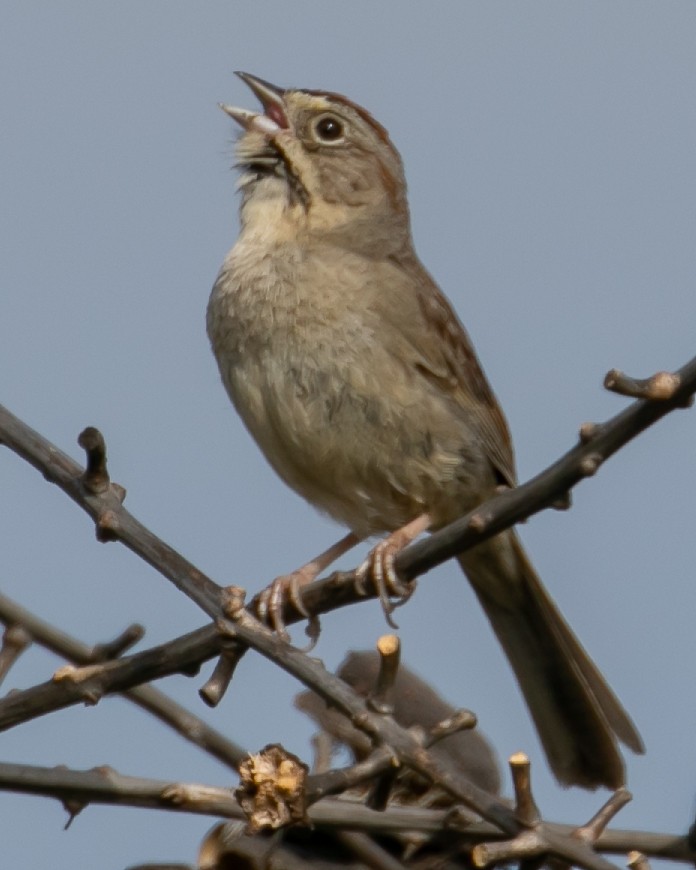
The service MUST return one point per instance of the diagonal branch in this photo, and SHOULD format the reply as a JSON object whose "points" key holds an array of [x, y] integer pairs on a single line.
{"points": [[105, 507], [550, 487], [87, 685], [166, 709]]}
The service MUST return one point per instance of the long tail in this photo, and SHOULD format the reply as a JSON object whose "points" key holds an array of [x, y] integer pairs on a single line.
{"points": [[577, 715]]}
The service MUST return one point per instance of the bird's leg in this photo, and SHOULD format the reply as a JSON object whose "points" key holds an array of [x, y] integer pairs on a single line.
{"points": [[287, 587], [379, 566]]}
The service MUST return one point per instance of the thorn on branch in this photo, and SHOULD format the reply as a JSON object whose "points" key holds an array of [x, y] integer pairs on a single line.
{"points": [[659, 388], [15, 640], [73, 808]]}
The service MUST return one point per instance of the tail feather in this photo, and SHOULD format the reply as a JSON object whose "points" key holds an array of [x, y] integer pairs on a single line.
{"points": [[576, 713]]}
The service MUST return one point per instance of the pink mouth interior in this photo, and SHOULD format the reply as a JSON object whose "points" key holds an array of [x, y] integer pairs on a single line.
{"points": [[276, 114]]}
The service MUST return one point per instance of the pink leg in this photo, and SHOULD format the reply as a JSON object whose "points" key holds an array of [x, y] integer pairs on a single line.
{"points": [[379, 566], [287, 587]]}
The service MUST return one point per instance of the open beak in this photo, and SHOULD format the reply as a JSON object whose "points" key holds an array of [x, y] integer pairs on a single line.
{"points": [[271, 99]]}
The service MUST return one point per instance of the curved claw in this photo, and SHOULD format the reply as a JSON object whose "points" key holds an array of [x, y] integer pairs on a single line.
{"points": [[379, 567], [295, 582], [273, 598], [361, 575], [313, 630]]}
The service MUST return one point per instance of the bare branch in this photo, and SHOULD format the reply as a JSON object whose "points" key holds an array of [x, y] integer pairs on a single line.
{"points": [[168, 711], [508, 508], [112, 520], [89, 683], [106, 786]]}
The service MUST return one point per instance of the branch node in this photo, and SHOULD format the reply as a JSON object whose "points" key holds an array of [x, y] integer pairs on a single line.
{"points": [[79, 675], [232, 602], [107, 527], [478, 523], [588, 431], [590, 464]]}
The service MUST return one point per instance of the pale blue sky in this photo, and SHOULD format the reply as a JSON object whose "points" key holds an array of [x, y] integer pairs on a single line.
{"points": [[549, 149]]}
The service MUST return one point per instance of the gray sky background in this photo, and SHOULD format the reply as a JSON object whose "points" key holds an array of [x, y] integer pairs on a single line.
{"points": [[549, 149]]}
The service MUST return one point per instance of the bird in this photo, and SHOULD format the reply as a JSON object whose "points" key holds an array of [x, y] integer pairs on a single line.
{"points": [[415, 704], [352, 372]]}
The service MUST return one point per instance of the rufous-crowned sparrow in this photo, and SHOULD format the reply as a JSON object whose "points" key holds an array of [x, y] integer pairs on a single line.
{"points": [[355, 377]]}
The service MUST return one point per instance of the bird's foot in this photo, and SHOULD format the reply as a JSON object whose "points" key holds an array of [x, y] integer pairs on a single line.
{"points": [[285, 589], [274, 599], [380, 568]]}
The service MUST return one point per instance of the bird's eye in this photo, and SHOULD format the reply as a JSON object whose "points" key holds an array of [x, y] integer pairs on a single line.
{"points": [[328, 128]]}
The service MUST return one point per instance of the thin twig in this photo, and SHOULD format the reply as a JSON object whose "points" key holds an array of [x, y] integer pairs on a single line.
{"points": [[160, 705]]}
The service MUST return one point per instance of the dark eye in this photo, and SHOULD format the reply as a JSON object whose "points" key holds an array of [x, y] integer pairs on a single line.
{"points": [[328, 128]]}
